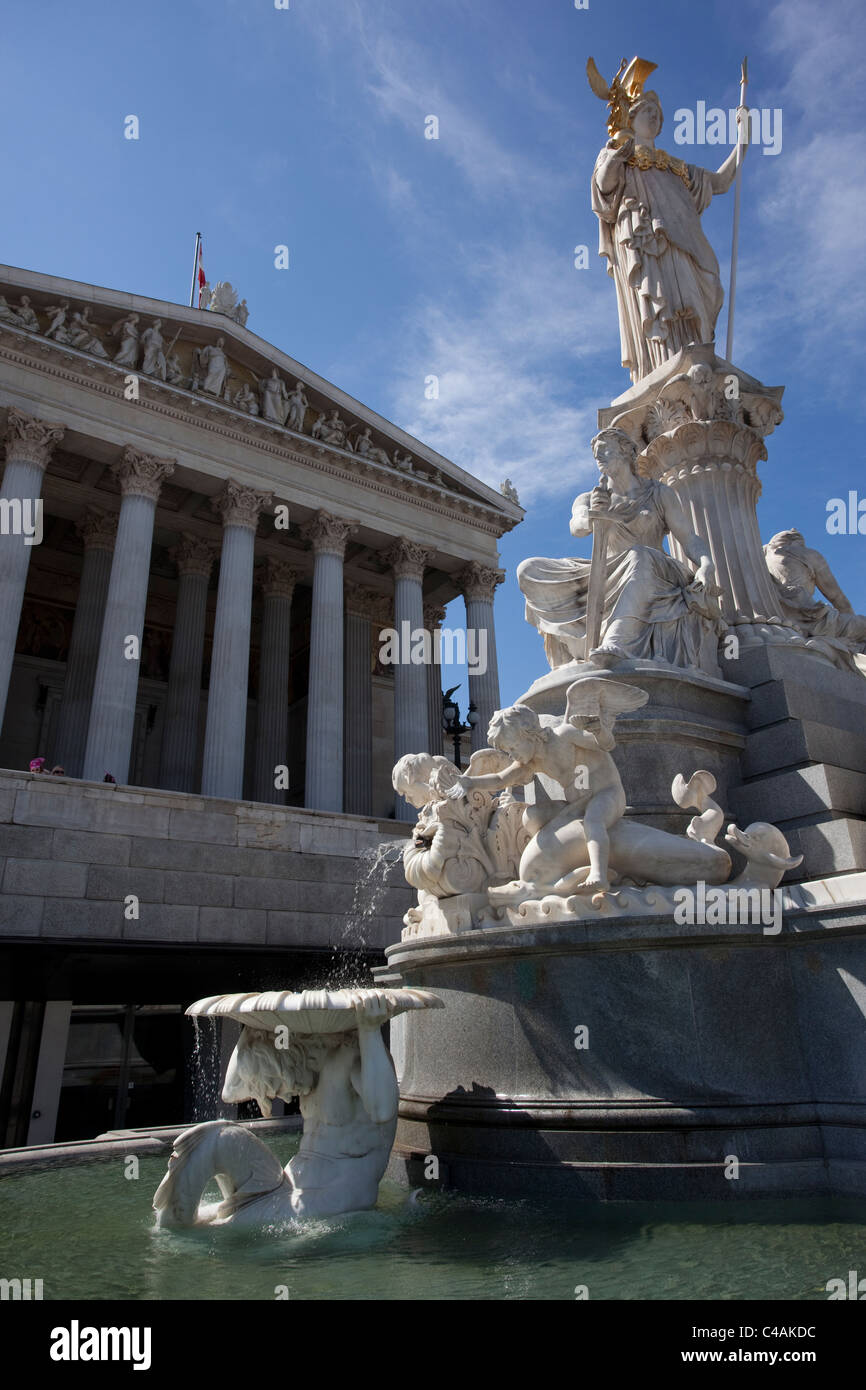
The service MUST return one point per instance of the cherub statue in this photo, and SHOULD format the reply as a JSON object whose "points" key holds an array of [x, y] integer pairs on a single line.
{"points": [[576, 753]]}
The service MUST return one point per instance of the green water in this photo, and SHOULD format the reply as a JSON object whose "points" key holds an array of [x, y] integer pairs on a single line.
{"points": [[88, 1233]]}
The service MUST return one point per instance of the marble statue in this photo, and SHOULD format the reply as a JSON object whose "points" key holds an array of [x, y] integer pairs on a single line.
{"points": [[509, 491], [298, 407], [274, 397], [318, 425], [222, 299], [404, 462], [57, 327], [241, 313], [174, 373], [365, 448], [27, 315], [333, 431], [82, 334], [127, 355], [327, 1049], [211, 365], [245, 399], [833, 628], [654, 608], [571, 854], [9, 315], [649, 205], [153, 363]]}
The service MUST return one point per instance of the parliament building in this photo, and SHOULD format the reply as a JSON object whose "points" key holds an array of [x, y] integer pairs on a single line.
{"points": [[201, 542]]}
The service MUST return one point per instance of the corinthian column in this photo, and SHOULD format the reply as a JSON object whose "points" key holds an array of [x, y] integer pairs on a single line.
{"points": [[408, 559], [112, 712], [29, 443], [194, 558], [97, 530], [225, 733], [363, 608], [434, 617], [478, 583], [272, 714], [324, 775]]}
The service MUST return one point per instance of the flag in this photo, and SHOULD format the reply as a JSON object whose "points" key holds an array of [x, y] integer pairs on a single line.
{"points": [[202, 278]]}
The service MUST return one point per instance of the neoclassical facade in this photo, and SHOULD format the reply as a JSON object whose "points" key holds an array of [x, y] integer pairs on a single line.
{"points": [[224, 535]]}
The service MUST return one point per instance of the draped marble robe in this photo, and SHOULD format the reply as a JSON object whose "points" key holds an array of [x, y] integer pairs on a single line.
{"points": [[676, 625], [668, 287]]}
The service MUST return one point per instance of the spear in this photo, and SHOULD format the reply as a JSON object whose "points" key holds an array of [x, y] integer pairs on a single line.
{"points": [[597, 576], [738, 179]]}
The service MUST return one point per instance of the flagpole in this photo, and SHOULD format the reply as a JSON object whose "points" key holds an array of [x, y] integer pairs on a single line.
{"points": [[738, 180], [194, 270]]}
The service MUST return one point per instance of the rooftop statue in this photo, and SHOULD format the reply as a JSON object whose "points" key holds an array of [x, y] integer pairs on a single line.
{"points": [[649, 205]]}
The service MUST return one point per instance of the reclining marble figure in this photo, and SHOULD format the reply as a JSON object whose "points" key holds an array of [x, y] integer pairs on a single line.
{"points": [[331, 1055]]}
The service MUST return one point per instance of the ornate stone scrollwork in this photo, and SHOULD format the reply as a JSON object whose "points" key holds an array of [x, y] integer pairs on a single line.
{"points": [[407, 558], [278, 579], [327, 533], [97, 529], [478, 582], [241, 506], [30, 439], [193, 555], [140, 474]]}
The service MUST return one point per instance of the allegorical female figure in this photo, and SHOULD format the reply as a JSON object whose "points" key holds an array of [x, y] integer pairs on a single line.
{"points": [[649, 207], [654, 607]]}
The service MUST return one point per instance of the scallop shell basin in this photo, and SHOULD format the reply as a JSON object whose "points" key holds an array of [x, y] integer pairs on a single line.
{"points": [[310, 1011]]}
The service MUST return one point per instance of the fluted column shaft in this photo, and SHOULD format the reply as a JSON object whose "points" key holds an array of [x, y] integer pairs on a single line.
{"points": [[194, 558], [479, 585], [324, 770], [363, 609], [112, 711], [408, 560], [225, 732], [272, 714], [29, 443], [434, 616], [97, 530]]}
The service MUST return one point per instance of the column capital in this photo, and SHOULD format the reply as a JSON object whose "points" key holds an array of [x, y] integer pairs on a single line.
{"points": [[278, 579], [369, 603], [140, 474], [327, 533], [407, 558], [192, 555], [29, 438], [478, 582], [241, 506], [434, 616], [97, 529]]}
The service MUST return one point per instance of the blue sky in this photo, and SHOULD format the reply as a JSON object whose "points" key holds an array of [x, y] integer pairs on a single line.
{"points": [[410, 256]]}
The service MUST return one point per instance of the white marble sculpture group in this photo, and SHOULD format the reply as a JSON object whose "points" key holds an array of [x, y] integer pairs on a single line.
{"points": [[143, 347]]}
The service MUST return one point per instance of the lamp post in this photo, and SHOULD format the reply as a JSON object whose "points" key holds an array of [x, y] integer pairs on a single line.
{"points": [[452, 723]]}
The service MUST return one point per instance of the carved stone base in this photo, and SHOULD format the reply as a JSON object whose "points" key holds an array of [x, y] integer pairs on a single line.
{"points": [[634, 1058]]}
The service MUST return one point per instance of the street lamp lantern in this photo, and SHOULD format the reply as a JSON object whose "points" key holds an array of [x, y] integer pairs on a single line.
{"points": [[453, 724]]}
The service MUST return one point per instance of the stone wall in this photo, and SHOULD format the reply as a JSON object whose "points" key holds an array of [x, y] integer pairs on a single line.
{"points": [[203, 870]]}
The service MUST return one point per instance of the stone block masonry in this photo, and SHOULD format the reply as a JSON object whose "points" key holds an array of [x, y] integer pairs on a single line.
{"points": [[85, 861]]}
